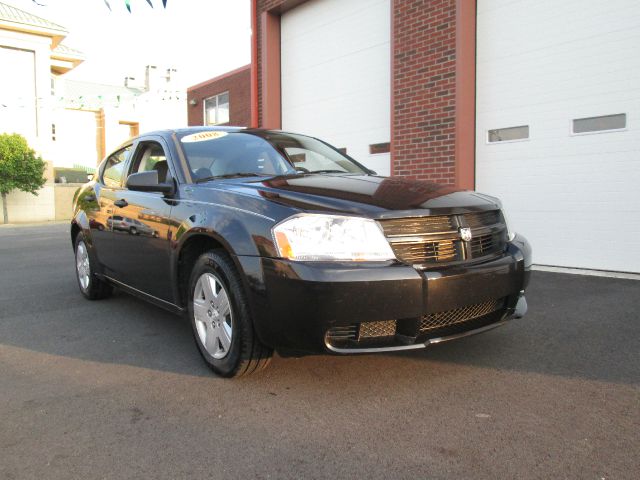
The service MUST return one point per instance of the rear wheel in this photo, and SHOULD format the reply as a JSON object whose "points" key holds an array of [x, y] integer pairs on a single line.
{"points": [[90, 286], [220, 318]]}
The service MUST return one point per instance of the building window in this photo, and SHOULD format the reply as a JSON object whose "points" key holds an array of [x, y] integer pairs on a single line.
{"points": [[216, 109], [508, 134], [600, 124], [53, 132]]}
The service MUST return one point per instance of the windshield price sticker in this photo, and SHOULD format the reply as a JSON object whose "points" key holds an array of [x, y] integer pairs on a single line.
{"points": [[203, 136]]}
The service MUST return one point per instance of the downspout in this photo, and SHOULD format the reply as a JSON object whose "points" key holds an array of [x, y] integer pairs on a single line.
{"points": [[254, 63]]}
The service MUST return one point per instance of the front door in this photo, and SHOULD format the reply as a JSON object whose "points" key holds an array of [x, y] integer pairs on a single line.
{"points": [[141, 228], [99, 206]]}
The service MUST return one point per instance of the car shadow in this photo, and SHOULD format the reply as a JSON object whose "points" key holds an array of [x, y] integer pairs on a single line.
{"points": [[577, 326]]}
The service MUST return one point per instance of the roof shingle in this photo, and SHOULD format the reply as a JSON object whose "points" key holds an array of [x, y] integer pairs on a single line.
{"points": [[12, 14]]}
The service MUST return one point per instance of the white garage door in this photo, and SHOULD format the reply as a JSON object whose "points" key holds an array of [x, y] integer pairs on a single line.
{"points": [[572, 184], [335, 68]]}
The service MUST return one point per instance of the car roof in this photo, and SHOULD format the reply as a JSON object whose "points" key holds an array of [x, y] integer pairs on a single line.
{"points": [[196, 129]]}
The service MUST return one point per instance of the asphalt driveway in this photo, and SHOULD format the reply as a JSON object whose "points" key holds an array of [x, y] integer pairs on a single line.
{"points": [[116, 389]]}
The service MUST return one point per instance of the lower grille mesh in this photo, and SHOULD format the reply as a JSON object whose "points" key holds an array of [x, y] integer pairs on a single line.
{"points": [[385, 328], [447, 318], [435, 324]]}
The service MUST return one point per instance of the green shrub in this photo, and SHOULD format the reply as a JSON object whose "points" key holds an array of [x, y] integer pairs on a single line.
{"points": [[20, 168]]}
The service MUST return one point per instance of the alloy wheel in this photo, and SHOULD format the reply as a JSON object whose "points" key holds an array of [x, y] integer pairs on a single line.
{"points": [[82, 265], [213, 316]]}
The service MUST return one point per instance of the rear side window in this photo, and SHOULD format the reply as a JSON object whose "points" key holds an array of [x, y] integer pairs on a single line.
{"points": [[114, 168]]}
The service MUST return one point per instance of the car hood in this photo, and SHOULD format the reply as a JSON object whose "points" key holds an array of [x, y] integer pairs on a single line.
{"points": [[362, 194]]}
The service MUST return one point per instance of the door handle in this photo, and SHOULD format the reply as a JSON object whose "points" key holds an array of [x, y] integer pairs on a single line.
{"points": [[121, 203]]}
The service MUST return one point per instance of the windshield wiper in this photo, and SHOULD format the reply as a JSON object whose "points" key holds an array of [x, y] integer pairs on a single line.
{"points": [[232, 175], [329, 171]]}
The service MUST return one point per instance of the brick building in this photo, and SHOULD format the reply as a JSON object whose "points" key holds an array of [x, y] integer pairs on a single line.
{"points": [[502, 97], [412, 49], [223, 100]]}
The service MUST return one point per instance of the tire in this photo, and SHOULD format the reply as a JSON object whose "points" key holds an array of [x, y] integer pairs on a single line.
{"points": [[223, 330], [133, 231], [90, 286]]}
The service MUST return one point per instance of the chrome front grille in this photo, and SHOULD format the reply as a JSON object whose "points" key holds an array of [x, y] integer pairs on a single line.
{"points": [[482, 219], [482, 245], [437, 239], [447, 318], [398, 227], [426, 251]]}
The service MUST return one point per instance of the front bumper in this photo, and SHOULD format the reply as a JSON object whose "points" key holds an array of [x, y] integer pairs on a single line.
{"points": [[519, 312], [298, 306]]}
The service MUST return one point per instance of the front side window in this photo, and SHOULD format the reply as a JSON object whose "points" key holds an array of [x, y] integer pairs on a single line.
{"points": [[218, 154], [114, 168], [151, 156], [216, 109]]}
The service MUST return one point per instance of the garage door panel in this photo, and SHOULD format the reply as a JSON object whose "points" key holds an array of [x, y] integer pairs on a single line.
{"points": [[336, 74], [345, 28], [338, 82], [571, 195]]}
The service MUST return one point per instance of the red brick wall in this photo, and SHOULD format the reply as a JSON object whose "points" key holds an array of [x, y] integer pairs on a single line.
{"points": [[423, 123], [276, 6], [424, 83], [237, 83]]}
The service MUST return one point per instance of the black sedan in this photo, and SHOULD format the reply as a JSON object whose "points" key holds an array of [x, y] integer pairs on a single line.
{"points": [[271, 240]]}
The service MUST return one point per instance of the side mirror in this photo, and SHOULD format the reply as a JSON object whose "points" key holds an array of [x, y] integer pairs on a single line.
{"points": [[148, 182]]}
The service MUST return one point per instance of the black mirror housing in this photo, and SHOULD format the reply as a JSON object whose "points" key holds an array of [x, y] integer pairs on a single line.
{"points": [[148, 182]]}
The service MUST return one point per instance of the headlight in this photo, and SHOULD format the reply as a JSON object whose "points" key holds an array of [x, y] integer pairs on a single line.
{"points": [[314, 237], [510, 233]]}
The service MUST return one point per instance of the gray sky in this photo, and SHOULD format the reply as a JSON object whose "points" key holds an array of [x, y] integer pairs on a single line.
{"points": [[201, 38]]}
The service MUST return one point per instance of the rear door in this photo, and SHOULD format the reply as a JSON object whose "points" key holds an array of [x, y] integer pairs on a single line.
{"points": [[141, 241]]}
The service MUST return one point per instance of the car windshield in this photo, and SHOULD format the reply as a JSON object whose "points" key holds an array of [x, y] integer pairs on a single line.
{"points": [[220, 154]]}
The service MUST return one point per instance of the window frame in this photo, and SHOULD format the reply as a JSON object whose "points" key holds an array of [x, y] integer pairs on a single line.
{"points": [[126, 167], [516, 140], [572, 133], [204, 109]]}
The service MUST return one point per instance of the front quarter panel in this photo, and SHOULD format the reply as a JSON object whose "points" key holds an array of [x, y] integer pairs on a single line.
{"points": [[86, 217], [238, 226], [240, 223]]}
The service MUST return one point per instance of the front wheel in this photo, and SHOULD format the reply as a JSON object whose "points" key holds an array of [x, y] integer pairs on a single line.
{"points": [[220, 318], [90, 286]]}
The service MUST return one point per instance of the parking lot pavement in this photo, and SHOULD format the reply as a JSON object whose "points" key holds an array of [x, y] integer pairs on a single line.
{"points": [[116, 389]]}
